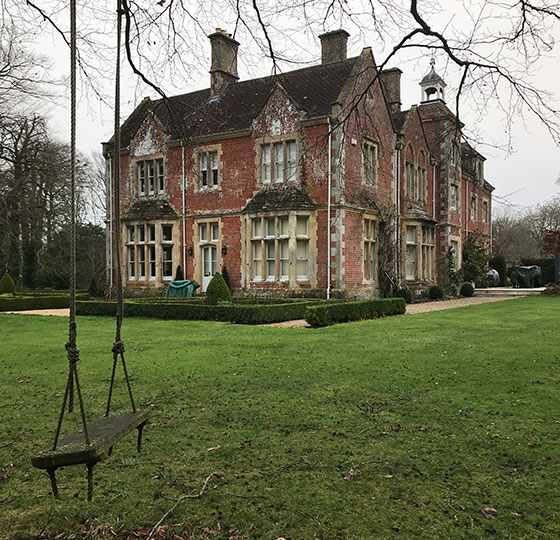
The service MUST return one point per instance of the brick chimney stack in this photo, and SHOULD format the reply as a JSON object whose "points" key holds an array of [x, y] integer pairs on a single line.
{"points": [[391, 80], [333, 46], [223, 69]]}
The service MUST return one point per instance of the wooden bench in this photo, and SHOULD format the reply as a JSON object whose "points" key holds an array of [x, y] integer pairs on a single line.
{"points": [[103, 434]]}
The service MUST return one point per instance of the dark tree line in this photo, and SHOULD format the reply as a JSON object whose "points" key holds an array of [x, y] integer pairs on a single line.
{"points": [[35, 207]]}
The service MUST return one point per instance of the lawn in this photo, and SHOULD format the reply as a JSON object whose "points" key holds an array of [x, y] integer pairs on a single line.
{"points": [[405, 427]]}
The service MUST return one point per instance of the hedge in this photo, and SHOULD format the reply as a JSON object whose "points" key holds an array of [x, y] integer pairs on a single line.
{"points": [[326, 314], [24, 303], [237, 313]]}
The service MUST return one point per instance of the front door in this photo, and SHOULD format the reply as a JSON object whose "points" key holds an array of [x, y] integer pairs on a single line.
{"points": [[209, 265]]}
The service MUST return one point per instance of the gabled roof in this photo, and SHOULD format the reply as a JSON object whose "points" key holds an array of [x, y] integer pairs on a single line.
{"points": [[314, 89]]}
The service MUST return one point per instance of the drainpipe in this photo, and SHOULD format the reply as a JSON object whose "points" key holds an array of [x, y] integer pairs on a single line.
{"points": [[467, 208], [398, 149], [329, 188], [183, 187], [434, 191]]}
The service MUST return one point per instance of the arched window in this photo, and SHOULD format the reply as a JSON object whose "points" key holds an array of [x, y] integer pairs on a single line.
{"points": [[422, 177]]}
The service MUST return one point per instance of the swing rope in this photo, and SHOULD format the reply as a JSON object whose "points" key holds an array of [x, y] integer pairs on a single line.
{"points": [[72, 351], [118, 348]]}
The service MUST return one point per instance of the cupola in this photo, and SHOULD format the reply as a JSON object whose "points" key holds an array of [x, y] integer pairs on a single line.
{"points": [[432, 85]]}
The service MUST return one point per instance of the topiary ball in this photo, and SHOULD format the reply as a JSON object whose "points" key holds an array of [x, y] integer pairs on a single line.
{"points": [[217, 290], [435, 292], [7, 284], [466, 289], [403, 292]]}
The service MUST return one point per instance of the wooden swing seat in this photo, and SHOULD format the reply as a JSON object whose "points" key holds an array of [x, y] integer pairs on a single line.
{"points": [[103, 433]]}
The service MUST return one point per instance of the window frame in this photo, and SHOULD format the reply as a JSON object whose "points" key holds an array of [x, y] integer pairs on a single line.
{"points": [[369, 246], [454, 197], [370, 164], [288, 164], [211, 158], [156, 186], [279, 248]]}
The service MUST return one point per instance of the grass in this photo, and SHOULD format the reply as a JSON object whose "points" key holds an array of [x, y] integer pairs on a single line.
{"points": [[405, 427]]}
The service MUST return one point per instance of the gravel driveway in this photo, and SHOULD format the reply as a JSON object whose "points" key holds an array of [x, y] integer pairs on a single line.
{"points": [[413, 309]]}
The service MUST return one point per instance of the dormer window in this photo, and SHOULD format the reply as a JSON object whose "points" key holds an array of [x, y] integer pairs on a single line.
{"points": [[150, 177]]}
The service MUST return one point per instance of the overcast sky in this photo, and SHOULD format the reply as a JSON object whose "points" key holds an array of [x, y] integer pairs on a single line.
{"points": [[524, 175]]}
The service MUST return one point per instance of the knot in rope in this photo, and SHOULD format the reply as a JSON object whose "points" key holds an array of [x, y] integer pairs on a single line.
{"points": [[72, 352], [118, 347]]}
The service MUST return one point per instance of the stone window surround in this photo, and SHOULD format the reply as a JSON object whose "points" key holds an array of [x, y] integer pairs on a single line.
{"points": [[422, 179], [158, 243], [199, 244], [453, 238], [372, 242], [419, 245], [158, 190], [457, 199], [206, 149], [473, 208], [485, 211], [270, 140], [292, 279], [367, 144]]}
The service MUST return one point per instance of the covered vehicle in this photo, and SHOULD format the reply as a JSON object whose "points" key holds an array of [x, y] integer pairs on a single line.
{"points": [[184, 288], [525, 276]]}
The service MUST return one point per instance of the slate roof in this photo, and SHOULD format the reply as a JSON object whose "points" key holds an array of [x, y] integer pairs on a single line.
{"points": [[313, 89], [279, 198], [150, 208], [432, 76], [399, 118]]}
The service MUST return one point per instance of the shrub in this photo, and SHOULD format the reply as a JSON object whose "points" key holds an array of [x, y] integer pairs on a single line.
{"points": [[179, 273], [552, 289], [217, 290], [332, 313], [498, 263], [225, 275], [185, 309], [475, 258], [403, 292], [435, 292], [7, 284], [467, 289], [93, 289]]}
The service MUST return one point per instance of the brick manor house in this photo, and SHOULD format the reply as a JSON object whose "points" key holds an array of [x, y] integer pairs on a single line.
{"points": [[311, 182]]}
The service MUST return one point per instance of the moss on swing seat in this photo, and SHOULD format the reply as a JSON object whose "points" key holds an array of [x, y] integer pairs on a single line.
{"points": [[103, 433]]}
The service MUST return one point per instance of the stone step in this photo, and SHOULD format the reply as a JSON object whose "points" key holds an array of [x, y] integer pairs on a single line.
{"points": [[507, 291]]}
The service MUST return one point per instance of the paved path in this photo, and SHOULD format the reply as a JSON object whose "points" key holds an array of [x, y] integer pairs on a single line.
{"points": [[63, 312], [413, 309]]}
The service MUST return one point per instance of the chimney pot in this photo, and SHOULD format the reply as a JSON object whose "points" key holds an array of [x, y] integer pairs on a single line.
{"points": [[333, 46]]}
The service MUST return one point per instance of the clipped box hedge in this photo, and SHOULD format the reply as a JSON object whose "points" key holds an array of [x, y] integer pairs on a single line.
{"points": [[326, 314], [236, 313], [26, 303]]}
